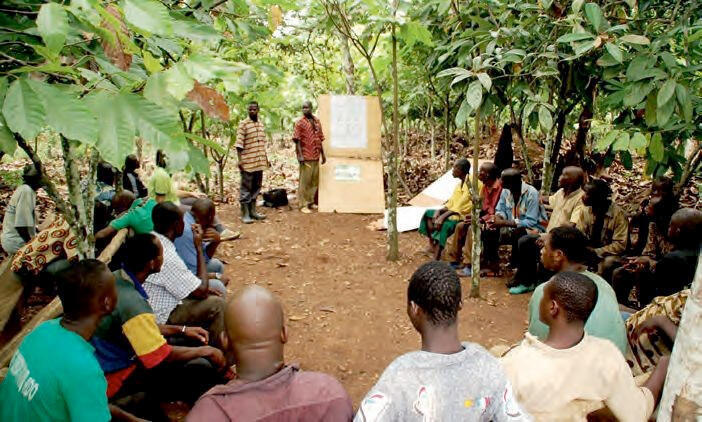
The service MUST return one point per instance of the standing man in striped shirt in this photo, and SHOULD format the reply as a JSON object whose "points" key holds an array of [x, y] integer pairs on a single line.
{"points": [[251, 151]]}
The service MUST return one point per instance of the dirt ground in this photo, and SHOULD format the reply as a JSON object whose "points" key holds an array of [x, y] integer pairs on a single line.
{"points": [[345, 304]]}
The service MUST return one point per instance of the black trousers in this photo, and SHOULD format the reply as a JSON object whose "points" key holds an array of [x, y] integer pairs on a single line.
{"points": [[492, 239], [250, 186], [530, 271]]}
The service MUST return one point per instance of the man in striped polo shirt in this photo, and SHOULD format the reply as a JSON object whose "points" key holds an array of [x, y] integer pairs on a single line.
{"points": [[251, 151]]}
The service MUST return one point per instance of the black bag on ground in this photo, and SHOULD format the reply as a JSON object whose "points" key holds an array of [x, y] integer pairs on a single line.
{"points": [[275, 198]]}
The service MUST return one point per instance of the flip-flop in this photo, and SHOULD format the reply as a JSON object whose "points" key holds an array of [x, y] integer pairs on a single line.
{"points": [[229, 235], [489, 273]]}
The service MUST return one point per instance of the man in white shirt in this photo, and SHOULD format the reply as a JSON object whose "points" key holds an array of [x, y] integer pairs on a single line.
{"points": [[571, 374], [177, 296], [19, 224]]}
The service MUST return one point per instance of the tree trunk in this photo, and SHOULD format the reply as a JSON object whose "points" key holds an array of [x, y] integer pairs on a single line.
{"points": [[77, 208], [220, 170], [682, 394], [548, 168], [447, 138], [393, 243], [432, 145], [475, 213], [347, 64], [691, 166], [525, 152]]}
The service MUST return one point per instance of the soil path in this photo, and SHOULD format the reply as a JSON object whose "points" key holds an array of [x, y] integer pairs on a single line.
{"points": [[345, 304]]}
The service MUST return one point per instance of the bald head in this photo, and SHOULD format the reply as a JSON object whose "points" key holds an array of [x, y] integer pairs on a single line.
{"points": [[122, 201], [512, 180], [254, 319], [685, 228], [307, 108], [203, 210]]}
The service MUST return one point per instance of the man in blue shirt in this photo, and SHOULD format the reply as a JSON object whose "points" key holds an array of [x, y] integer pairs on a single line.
{"points": [[202, 212], [518, 212]]}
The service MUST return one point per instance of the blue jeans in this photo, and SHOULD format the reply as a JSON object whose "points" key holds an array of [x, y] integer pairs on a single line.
{"points": [[216, 266]]}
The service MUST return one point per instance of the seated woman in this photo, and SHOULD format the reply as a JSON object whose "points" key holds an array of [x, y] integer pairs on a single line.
{"points": [[439, 224]]}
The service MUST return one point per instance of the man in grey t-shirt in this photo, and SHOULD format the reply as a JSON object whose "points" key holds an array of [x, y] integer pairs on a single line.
{"points": [[447, 380], [19, 224]]}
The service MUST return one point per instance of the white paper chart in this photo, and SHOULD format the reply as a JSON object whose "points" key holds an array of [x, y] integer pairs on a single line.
{"points": [[348, 122], [347, 173]]}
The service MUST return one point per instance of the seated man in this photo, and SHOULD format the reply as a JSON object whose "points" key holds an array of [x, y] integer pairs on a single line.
{"points": [[265, 387], [652, 330], [564, 250], [130, 345], [202, 212], [605, 225], [569, 374], [104, 193], [176, 295], [518, 212], [439, 224], [460, 244], [54, 374], [19, 225], [137, 218], [669, 274], [447, 380], [565, 203]]}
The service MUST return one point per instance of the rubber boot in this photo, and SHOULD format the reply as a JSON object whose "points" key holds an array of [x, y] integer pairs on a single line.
{"points": [[253, 213], [245, 214]]}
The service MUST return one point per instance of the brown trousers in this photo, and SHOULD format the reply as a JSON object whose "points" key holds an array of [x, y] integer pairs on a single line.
{"points": [[459, 246], [206, 313], [309, 182]]}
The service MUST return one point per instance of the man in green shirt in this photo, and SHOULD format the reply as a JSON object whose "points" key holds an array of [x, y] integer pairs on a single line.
{"points": [[565, 249], [54, 375]]}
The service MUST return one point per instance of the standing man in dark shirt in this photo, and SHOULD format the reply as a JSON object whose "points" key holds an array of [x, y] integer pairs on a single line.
{"points": [[308, 138], [130, 178]]}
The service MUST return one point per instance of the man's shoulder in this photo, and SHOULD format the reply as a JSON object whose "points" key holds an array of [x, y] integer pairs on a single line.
{"points": [[319, 381], [23, 190]]}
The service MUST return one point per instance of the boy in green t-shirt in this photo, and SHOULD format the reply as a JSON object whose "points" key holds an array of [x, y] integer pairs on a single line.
{"points": [[54, 375]]}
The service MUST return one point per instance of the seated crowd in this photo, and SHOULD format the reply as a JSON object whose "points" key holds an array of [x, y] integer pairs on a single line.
{"points": [[159, 326]]}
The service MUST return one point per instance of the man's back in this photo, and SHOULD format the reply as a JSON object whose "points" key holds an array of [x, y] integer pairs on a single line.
{"points": [[54, 376], [419, 386], [19, 213], [567, 384], [604, 322], [288, 395]]}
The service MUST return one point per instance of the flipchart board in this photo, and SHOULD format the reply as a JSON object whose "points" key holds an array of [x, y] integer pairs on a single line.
{"points": [[352, 179]]}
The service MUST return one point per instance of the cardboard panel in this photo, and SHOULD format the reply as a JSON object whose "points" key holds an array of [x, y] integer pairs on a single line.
{"points": [[349, 185], [408, 218], [351, 125]]}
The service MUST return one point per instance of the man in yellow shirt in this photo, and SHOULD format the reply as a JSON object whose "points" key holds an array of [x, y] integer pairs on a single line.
{"points": [[439, 224]]}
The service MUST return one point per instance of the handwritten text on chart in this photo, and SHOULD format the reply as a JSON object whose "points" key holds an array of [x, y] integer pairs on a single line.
{"points": [[348, 122]]}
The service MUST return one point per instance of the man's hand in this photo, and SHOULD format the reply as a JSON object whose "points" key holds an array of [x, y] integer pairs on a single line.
{"points": [[324, 159], [541, 241], [214, 292], [241, 166], [224, 279], [197, 333], [214, 355], [197, 235], [499, 221], [211, 235]]}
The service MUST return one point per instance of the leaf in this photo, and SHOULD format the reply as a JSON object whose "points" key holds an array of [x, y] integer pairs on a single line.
{"points": [[622, 142], [474, 94], [546, 4], [155, 124], [577, 5], [656, 147], [594, 15], [636, 93], [651, 110], [684, 101], [178, 81], [636, 68], [638, 143], [23, 110], [584, 47], [66, 114], [627, 161], [664, 112], [152, 64], [614, 51], [666, 92], [117, 127], [635, 39], [604, 142], [210, 101], [414, 32], [8, 145], [52, 23], [545, 119], [197, 160], [485, 80], [463, 113], [205, 142], [149, 16], [114, 50], [576, 36]]}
